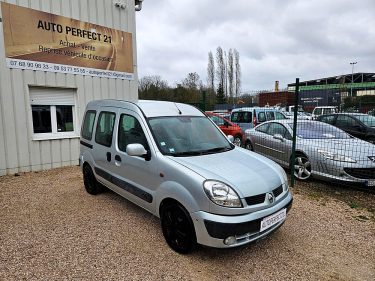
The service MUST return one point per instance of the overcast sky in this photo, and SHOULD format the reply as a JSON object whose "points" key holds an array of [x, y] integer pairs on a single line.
{"points": [[276, 39]]}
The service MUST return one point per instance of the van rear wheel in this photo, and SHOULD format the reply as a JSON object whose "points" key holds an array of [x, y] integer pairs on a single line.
{"points": [[178, 228], [92, 186]]}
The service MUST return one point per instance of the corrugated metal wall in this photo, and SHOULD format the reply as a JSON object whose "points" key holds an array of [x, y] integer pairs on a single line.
{"points": [[18, 152]]}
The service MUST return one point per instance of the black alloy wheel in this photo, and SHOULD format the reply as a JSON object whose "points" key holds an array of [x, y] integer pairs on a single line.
{"points": [[178, 228], [91, 184]]}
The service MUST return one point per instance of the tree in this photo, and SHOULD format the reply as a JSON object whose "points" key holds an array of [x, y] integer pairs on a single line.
{"points": [[211, 72], [230, 75], [220, 97], [192, 81], [220, 69], [237, 67], [152, 87]]}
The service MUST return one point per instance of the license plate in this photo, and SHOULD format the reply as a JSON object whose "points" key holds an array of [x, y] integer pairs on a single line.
{"points": [[371, 183], [271, 220]]}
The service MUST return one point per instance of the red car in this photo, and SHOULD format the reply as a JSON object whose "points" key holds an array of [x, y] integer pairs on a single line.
{"points": [[228, 127]]}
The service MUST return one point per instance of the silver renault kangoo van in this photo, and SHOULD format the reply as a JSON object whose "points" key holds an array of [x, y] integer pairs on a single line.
{"points": [[172, 160]]}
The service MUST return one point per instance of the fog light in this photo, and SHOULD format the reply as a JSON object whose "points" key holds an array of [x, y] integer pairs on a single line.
{"points": [[231, 240]]}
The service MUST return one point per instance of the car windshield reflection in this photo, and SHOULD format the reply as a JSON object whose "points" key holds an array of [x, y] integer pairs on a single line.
{"points": [[188, 136]]}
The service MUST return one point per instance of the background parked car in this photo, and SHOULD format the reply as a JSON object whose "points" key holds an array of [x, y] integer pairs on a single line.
{"points": [[228, 128], [249, 117], [371, 112], [301, 115], [357, 124], [322, 150], [322, 110]]}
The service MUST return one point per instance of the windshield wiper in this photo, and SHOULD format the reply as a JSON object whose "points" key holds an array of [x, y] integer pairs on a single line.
{"points": [[201, 152], [217, 149], [187, 153]]}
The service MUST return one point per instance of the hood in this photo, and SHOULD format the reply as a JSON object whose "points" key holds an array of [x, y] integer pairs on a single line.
{"points": [[354, 148], [247, 172]]}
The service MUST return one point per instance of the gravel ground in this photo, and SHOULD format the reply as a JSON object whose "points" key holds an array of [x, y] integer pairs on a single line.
{"points": [[51, 229]]}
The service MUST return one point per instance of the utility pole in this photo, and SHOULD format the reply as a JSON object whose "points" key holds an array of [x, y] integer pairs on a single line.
{"points": [[351, 85]]}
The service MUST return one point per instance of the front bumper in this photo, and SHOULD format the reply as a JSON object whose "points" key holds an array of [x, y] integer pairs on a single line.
{"points": [[211, 230]]}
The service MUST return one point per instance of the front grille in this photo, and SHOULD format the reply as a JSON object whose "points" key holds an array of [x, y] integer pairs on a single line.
{"points": [[277, 191], [256, 199], [361, 173]]}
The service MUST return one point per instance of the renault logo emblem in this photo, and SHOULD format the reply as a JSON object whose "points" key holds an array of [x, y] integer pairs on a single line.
{"points": [[372, 158], [270, 197]]}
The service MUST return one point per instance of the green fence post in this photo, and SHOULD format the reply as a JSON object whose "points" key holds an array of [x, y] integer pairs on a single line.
{"points": [[292, 160]]}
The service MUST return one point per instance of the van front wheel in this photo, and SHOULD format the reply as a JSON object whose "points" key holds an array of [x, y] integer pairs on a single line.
{"points": [[178, 228]]}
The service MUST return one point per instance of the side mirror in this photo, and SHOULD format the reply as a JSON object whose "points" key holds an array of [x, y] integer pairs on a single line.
{"points": [[137, 149], [230, 138], [226, 124], [278, 137]]}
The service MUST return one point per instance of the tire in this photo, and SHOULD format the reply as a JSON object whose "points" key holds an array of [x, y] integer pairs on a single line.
{"points": [[178, 228], [249, 146], [91, 184], [302, 167], [237, 141]]}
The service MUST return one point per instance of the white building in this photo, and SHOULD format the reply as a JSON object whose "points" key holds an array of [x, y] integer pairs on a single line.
{"points": [[55, 56]]}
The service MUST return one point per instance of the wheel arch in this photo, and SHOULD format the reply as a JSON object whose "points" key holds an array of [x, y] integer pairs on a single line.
{"points": [[172, 192]]}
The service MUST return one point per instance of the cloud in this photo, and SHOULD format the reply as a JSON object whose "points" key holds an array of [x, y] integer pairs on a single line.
{"points": [[277, 40]]}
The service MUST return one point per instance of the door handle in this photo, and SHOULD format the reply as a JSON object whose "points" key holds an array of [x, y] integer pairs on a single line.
{"points": [[118, 158], [109, 157]]}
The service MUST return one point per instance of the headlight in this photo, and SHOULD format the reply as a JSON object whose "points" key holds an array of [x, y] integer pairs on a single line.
{"points": [[336, 157], [221, 194]]}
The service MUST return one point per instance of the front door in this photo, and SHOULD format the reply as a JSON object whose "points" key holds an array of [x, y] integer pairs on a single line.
{"points": [[137, 177]]}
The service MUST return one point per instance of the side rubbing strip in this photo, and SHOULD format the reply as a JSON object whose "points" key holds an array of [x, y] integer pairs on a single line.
{"points": [[86, 144], [125, 185]]}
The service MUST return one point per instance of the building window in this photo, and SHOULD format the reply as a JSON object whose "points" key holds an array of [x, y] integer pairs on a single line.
{"points": [[53, 113], [41, 119]]}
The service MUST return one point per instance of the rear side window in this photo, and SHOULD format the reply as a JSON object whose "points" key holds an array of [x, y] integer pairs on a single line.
{"points": [[317, 111], [270, 115], [241, 117], [279, 116], [217, 120], [104, 128], [88, 125], [345, 121], [327, 119], [262, 128], [261, 117]]}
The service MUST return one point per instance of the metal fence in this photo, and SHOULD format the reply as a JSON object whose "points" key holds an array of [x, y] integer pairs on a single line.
{"points": [[337, 147]]}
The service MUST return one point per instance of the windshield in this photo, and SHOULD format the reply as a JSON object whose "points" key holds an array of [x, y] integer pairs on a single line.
{"points": [[368, 120], [319, 130], [188, 136]]}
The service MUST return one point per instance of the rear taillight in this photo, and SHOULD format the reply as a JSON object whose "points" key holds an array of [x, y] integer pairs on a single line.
{"points": [[255, 121]]}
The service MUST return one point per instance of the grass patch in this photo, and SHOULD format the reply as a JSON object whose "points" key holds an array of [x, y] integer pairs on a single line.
{"points": [[354, 205]]}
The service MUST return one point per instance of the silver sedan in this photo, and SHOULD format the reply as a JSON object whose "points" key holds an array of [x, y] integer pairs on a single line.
{"points": [[322, 150]]}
